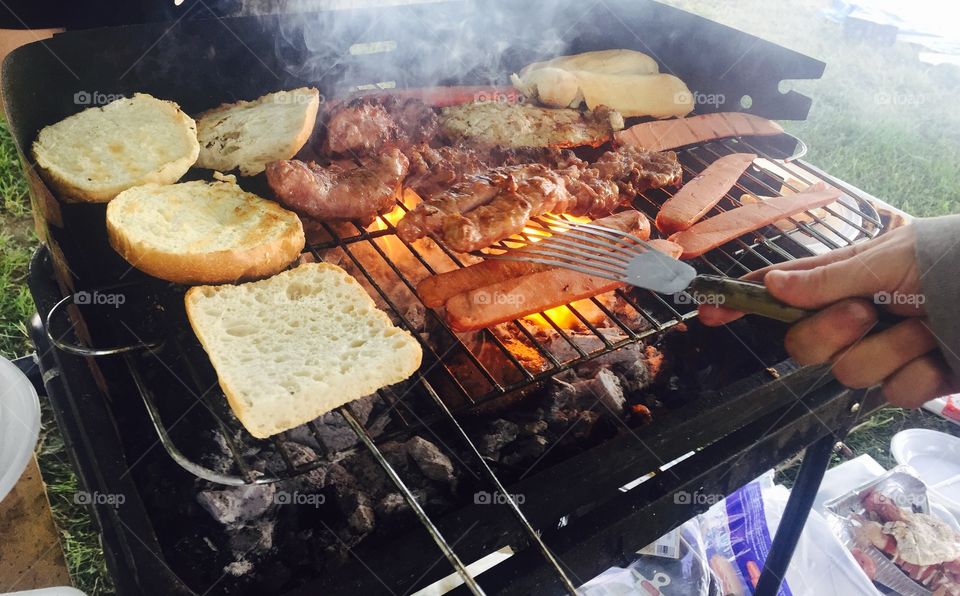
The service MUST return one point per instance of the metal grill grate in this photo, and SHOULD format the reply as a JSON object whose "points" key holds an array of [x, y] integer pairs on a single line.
{"points": [[463, 370]]}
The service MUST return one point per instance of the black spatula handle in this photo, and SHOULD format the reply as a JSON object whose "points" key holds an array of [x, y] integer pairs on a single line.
{"points": [[752, 297], [746, 296]]}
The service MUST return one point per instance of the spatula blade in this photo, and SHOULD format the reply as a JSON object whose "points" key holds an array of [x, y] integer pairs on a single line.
{"points": [[653, 270]]}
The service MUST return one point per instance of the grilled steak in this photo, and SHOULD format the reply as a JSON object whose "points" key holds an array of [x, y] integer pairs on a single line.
{"points": [[495, 204], [524, 125], [434, 170], [341, 190], [365, 125]]}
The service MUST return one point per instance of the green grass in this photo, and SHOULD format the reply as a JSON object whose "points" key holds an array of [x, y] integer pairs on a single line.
{"points": [[78, 533], [904, 150], [16, 244], [880, 119]]}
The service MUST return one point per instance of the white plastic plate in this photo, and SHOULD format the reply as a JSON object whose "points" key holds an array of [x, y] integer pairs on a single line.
{"points": [[19, 424], [936, 458]]}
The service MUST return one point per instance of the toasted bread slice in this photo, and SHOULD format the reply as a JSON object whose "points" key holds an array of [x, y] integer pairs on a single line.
{"points": [[202, 232], [249, 134], [293, 347], [100, 152]]}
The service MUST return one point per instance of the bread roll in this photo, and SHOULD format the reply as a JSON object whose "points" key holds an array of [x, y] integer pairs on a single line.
{"points": [[293, 347], [98, 153], [202, 232]]}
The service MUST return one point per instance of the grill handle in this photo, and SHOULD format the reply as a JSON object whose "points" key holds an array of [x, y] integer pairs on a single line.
{"points": [[81, 350]]}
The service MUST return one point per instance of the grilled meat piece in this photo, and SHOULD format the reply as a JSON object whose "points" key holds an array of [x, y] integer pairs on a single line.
{"points": [[637, 170], [365, 125], [340, 191], [492, 205], [524, 193], [434, 170], [524, 125], [487, 207]]}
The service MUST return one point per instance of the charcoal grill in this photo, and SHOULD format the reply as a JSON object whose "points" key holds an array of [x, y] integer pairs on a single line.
{"points": [[133, 392]]}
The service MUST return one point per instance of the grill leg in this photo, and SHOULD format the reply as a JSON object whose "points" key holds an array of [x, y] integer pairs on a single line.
{"points": [[815, 462]]}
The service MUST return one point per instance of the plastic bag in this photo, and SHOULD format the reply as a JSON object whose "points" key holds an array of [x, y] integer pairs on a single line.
{"points": [[676, 566], [738, 533]]}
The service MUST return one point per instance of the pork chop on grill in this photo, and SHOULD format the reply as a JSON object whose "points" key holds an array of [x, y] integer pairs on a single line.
{"points": [[525, 125], [492, 205], [341, 190]]}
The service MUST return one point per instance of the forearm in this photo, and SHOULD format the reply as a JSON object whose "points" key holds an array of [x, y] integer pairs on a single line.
{"points": [[938, 262]]}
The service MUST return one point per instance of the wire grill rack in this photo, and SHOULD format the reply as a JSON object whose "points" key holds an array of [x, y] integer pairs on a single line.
{"points": [[465, 375]]}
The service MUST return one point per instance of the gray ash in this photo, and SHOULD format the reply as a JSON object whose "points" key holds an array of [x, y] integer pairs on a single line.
{"points": [[313, 519]]}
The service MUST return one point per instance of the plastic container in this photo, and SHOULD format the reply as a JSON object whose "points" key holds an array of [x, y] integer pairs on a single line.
{"points": [[19, 424], [936, 458]]}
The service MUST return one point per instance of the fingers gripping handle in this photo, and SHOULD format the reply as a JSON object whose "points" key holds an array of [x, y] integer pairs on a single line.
{"points": [[745, 296]]}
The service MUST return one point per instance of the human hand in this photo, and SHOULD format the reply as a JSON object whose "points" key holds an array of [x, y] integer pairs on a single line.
{"points": [[848, 286]]}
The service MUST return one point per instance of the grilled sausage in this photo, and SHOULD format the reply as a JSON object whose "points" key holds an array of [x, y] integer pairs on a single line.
{"points": [[435, 291], [730, 225], [514, 298], [698, 196], [661, 135]]}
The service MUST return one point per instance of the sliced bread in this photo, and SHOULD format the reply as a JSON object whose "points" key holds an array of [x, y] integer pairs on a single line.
{"points": [[249, 134], [291, 348], [202, 232], [98, 153]]}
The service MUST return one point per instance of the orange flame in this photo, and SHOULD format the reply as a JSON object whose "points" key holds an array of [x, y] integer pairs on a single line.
{"points": [[561, 315], [390, 243]]}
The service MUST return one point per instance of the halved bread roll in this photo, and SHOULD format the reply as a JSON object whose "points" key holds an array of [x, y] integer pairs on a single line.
{"points": [[602, 61], [202, 232], [249, 134], [100, 152], [623, 80], [293, 347]]}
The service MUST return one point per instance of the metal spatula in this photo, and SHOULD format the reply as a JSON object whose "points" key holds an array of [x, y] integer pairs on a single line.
{"points": [[620, 256]]}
